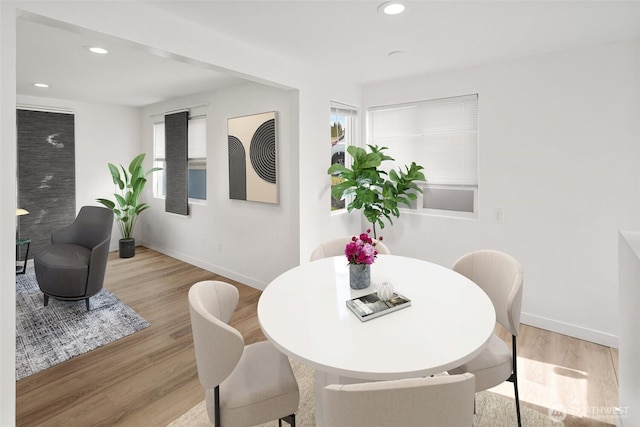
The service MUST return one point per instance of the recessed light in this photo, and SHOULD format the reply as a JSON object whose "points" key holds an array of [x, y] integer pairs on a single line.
{"points": [[41, 85], [391, 8], [98, 50]]}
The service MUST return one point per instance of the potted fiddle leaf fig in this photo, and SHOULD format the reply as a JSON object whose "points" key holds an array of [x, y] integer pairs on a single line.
{"points": [[371, 188], [126, 208]]}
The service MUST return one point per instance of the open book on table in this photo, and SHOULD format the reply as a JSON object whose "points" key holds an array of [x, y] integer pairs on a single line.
{"points": [[370, 306]]}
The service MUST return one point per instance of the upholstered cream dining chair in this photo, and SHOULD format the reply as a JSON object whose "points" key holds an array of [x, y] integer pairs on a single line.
{"points": [[335, 247], [440, 401], [500, 276], [245, 385]]}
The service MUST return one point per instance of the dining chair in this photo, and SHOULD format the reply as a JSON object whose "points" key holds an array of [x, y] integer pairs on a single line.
{"points": [[244, 385], [440, 401], [500, 277], [335, 247]]}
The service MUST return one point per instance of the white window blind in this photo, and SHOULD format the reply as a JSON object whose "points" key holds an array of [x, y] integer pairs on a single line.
{"points": [[440, 134], [158, 141], [197, 137]]}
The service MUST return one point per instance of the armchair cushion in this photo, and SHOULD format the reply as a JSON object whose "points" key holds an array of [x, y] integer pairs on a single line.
{"points": [[64, 270]]}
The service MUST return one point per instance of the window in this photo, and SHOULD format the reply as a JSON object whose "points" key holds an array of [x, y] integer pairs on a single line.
{"points": [[197, 158], [442, 136], [343, 126], [160, 177], [197, 162]]}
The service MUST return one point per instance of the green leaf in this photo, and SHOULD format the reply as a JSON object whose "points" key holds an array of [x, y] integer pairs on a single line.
{"points": [[115, 175], [108, 203], [356, 152], [141, 207], [152, 170], [337, 169], [121, 201], [136, 163]]}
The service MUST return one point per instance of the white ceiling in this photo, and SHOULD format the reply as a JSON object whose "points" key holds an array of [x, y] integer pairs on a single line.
{"points": [[129, 76], [348, 37]]}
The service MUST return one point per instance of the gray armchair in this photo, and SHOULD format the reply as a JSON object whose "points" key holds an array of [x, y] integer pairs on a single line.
{"points": [[72, 268]]}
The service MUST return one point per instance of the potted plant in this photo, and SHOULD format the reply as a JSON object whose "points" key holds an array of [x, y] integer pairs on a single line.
{"points": [[371, 188], [126, 208]]}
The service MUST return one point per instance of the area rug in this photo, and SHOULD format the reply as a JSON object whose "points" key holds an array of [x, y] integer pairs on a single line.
{"points": [[492, 410], [46, 336]]}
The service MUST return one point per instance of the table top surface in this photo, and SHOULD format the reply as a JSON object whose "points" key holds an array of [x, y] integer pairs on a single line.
{"points": [[303, 312]]}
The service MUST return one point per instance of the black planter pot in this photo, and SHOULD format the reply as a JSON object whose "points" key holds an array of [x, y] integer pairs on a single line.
{"points": [[127, 248]]}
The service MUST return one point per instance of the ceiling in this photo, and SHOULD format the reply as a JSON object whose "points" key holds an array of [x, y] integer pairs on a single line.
{"points": [[346, 37]]}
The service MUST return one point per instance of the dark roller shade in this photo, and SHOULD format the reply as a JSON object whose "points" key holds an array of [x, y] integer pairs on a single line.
{"points": [[46, 174], [176, 152]]}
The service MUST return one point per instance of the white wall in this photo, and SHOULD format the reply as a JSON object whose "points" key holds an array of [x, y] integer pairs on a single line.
{"points": [[629, 371], [7, 215], [559, 140], [103, 133], [317, 222], [246, 241]]}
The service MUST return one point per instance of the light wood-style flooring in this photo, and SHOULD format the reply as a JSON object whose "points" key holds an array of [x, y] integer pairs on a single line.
{"points": [[149, 378]]}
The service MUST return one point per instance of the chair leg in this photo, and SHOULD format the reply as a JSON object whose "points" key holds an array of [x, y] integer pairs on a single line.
{"points": [[515, 387], [87, 301], [46, 299], [514, 378], [291, 419], [216, 403]]}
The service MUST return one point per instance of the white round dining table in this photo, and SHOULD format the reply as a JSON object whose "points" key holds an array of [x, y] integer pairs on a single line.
{"points": [[303, 313]]}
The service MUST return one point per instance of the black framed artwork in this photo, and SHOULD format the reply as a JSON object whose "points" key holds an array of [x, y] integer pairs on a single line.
{"points": [[253, 158]]}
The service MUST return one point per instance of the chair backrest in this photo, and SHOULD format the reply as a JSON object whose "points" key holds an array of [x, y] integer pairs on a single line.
{"points": [[420, 402], [500, 276], [218, 346], [91, 227], [335, 247]]}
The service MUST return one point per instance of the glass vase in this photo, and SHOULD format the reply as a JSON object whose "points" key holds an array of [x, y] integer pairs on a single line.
{"points": [[359, 275]]}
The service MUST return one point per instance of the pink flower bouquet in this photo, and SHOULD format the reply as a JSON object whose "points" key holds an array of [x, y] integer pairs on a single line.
{"points": [[361, 249]]}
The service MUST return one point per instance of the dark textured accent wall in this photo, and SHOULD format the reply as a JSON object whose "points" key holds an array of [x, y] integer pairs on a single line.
{"points": [[176, 152], [46, 174]]}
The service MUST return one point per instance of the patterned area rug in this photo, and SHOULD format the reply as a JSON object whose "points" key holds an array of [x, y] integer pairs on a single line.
{"points": [[492, 410], [46, 336]]}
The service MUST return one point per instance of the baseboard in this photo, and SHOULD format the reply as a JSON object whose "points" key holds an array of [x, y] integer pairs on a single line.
{"points": [[245, 280], [563, 328]]}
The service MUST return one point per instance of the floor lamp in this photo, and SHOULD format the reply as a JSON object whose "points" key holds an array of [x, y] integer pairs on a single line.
{"points": [[20, 242]]}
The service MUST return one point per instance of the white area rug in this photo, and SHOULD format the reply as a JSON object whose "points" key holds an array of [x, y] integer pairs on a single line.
{"points": [[46, 336]]}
